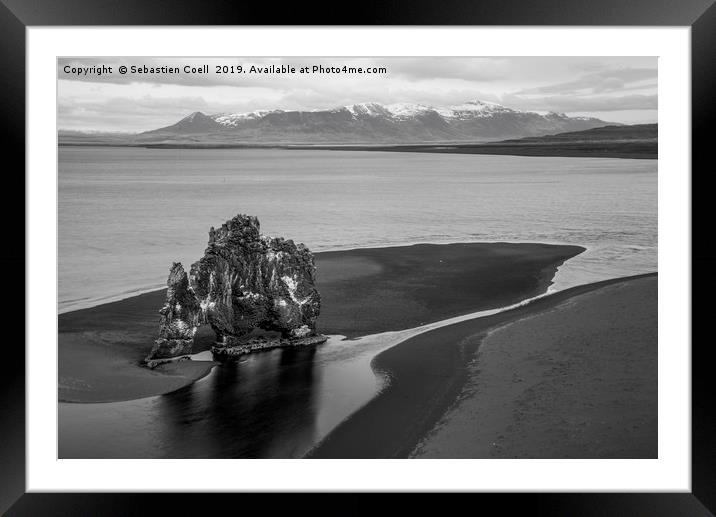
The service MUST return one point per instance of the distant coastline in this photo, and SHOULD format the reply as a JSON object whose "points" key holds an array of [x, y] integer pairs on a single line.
{"points": [[631, 150], [632, 142]]}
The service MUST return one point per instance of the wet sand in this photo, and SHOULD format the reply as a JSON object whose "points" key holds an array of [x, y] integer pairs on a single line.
{"points": [[364, 291], [576, 381], [572, 374]]}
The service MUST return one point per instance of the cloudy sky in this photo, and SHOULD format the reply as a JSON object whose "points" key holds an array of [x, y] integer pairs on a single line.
{"points": [[615, 89]]}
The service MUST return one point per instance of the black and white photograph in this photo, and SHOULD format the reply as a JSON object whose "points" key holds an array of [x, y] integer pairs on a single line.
{"points": [[305, 254], [314, 257]]}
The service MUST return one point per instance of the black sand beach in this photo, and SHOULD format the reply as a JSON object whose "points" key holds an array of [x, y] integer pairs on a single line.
{"points": [[572, 374], [364, 291]]}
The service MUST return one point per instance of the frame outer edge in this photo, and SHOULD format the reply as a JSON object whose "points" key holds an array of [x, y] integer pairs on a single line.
{"points": [[703, 110], [12, 56], [12, 258]]}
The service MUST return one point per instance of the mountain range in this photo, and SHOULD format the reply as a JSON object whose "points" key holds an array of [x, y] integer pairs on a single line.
{"points": [[364, 123]]}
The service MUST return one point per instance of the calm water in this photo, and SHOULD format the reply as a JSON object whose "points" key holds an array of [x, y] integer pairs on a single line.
{"points": [[125, 214], [274, 404]]}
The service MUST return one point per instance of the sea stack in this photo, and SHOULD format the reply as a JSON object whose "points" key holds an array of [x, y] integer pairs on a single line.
{"points": [[256, 292]]}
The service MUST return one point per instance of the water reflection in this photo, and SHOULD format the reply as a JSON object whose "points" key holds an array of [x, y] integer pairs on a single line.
{"points": [[273, 404], [260, 406]]}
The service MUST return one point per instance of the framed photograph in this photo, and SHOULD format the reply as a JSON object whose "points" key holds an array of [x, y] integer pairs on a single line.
{"points": [[438, 250]]}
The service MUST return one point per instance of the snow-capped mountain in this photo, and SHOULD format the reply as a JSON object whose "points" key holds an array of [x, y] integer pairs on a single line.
{"points": [[403, 110], [234, 119], [372, 122]]}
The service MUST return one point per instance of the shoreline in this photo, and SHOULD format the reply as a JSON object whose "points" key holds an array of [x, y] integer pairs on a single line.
{"points": [[428, 383], [199, 377], [410, 333], [209, 365], [97, 302], [365, 291], [646, 150]]}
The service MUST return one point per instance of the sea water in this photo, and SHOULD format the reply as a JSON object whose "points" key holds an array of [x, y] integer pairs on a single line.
{"points": [[125, 214]]}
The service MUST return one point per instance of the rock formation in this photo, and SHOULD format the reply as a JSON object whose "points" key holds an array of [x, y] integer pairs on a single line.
{"points": [[181, 315], [245, 281]]}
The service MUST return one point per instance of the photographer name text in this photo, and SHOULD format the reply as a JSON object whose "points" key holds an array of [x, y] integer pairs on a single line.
{"points": [[227, 69]]}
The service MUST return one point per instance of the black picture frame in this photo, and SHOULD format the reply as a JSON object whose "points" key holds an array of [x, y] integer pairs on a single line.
{"points": [[17, 15]]}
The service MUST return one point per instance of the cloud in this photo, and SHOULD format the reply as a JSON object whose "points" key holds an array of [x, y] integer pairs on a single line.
{"points": [[599, 82], [473, 69], [146, 112], [600, 103], [137, 102]]}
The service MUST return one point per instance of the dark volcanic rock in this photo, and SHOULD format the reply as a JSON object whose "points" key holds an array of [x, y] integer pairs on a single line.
{"points": [[180, 317], [244, 281], [243, 346]]}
